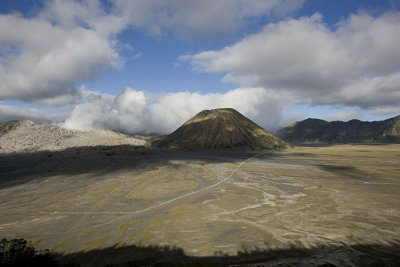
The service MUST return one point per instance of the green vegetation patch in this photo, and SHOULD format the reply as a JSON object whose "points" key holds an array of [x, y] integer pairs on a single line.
{"points": [[136, 222], [84, 234], [33, 241], [92, 244], [122, 228], [61, 244]]}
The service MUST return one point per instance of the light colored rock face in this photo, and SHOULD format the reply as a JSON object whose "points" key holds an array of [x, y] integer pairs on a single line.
{"points": [[27, 136]]}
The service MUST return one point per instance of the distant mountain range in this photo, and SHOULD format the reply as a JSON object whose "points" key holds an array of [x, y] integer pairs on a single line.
{"points": [[220, 129], [217, 129], [315, 130]]}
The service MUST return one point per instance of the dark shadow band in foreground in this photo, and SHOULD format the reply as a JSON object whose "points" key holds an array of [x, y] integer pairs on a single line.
{"points": [[137, 255]]}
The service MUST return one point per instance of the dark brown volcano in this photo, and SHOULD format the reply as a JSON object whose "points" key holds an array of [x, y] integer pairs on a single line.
{"points": [[220, 129]]}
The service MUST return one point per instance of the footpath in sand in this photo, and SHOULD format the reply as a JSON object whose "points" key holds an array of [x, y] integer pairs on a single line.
{"points": [[344, 194]]}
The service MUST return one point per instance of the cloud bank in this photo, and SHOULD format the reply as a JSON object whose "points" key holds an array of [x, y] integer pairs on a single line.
{"points": [[42, 57], [132, 112], [8, 113], [357, 64], [188, 19]]}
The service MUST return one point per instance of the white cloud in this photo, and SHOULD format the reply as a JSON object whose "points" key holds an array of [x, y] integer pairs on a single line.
{"points": [[371, 92], [8, 112], [102, 111], [198, 18], [356, 64], [42, 57], [131, 112], [388, 111], [171, 110]]}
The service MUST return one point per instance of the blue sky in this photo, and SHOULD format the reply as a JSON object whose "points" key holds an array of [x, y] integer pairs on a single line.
{"points": [[147, 66], [159, 54]]}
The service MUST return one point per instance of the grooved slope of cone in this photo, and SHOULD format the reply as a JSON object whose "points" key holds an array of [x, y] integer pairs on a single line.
{"points": [[220, 129]]}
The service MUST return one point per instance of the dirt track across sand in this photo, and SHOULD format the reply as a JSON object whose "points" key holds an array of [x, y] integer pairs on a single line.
{"points": [[306, 195]]}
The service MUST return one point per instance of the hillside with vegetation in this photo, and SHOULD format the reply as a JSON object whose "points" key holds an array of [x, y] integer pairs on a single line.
{"points": [[315, 130]]}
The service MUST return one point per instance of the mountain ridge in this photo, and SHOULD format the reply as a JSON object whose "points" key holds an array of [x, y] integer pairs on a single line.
{"points": [[317, 130], [26, 136]]}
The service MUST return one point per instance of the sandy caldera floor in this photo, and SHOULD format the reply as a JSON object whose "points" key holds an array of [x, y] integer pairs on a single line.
{"points": [[95, 198]]}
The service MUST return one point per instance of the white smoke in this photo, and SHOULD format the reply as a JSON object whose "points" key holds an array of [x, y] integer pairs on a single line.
{"points": [[131, 112]]}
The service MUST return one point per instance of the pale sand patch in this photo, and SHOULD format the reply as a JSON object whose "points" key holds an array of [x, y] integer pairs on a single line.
{"points": [[161, 190]]}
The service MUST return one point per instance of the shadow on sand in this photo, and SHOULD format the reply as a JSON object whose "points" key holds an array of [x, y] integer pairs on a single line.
{"points": [[18, 252], [18, 168], [320, 255]]}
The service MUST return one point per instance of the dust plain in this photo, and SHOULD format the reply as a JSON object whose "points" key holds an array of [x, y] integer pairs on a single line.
{"points": [[303, 196]]}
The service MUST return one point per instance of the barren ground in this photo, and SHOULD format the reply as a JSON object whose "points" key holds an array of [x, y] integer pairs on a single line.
{"points": [[86, 198]]}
